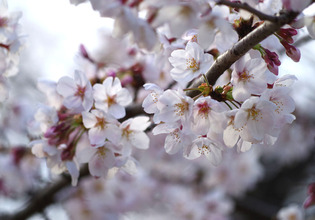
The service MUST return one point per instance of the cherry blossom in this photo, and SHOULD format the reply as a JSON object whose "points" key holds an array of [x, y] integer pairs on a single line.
{"points": [[133, 134], [248, 78], [149, 104], [101, 127], [207, 116], [174, 106], [77, 92], [189, 63], [256, 116], [204, 146], [111, 97]]}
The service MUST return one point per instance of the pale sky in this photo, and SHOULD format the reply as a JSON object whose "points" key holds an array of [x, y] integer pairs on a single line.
{"points": [[54, 30]]}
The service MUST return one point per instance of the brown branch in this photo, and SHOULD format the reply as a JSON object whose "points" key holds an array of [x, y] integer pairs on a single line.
{"points": [[224, 61], [43, 198], [247, 7]]}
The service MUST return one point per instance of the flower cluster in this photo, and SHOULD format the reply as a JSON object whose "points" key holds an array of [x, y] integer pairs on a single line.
{"points": [[206, 125], [81, 126], [10, 46]]}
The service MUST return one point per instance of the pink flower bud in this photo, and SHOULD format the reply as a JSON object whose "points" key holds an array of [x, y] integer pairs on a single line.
{"points": [[291, 51], [111, 73], [311, 188], [310, 200], [287, 34], [84, 52], [272, 61]]}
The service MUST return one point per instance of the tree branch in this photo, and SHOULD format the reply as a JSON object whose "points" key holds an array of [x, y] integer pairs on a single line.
{"points": [[224, 61], [247, 7], [44, 197]]}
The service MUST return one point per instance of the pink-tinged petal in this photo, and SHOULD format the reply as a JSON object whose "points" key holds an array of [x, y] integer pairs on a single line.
{"points": [[84, 150], [72, 102], [241, 119], [286, 81], [162, 129], [140, 140], [103, 106], [149, 104], [140, 123], [66, 86], [192, 152], [206, 34], [123, 97], [112, 133], [244, 146], [108, 82], [116, 86], [74, 172], [230, 136], [201, 125], [87, 102], [117, 111], [172, 143], [240, 93], [240, 65], [99, 92], [256, 130], [80, 78], [102, 160], [289, 118], [89, 120], [214, 155], [97, 136]]}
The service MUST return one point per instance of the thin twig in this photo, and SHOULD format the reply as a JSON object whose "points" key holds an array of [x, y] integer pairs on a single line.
{"points": [[43, 198], [247, 7]]}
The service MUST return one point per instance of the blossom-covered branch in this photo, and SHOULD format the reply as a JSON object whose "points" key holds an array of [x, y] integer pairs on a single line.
{"points": [[224, 61]]}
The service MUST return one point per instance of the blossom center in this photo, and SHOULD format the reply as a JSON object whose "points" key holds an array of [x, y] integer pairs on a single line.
{"points": [[245, 76], [192, 64], [111, 100], [204, 149], [101, 151], [126, 132], [185, 11], [80, 92], [181, 108], [3, 22], [204, 109], [254, 113], [279, 105], [101, 122]]}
